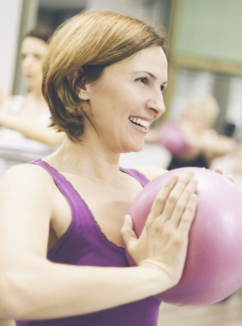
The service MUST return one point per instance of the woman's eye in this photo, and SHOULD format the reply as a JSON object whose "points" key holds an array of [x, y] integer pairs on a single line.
{"points": [[143, 80], [162, 88], [37, 56]]}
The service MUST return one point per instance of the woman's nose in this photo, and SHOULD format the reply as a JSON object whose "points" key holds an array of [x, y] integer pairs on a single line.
{"points": [[156, 103], [27, 61]]}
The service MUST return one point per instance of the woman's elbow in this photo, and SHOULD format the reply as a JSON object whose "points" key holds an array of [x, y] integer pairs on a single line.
{"points": [[12, 303]]}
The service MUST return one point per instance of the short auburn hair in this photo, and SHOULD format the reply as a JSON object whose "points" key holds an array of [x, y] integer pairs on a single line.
{"points": [[77, 54]]}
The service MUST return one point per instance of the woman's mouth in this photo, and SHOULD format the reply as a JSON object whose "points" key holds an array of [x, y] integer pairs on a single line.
{"points": [[28, 76], [139, 123]]}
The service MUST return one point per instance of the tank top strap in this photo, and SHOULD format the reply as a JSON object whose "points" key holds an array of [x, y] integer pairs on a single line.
{"points": [[137, 175], [66, 188], [73, 198]]}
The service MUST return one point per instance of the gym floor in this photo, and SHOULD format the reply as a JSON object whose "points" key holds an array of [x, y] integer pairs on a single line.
{"points": [[228, 313]]}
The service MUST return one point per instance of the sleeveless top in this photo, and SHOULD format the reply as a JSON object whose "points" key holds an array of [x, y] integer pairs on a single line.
{"points": [[84, 244]]}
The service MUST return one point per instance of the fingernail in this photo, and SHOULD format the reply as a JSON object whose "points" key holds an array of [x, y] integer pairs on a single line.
{"points": [[174, 176], [190, 172], [194, 182]]}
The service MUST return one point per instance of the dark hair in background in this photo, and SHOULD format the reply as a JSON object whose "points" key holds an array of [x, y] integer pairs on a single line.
{"points": [[41, 32], [229, 129]]}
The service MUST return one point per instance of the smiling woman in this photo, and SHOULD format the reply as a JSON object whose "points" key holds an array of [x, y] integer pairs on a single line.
{"points": [[103, 77], [120, 96], [98, 47]]}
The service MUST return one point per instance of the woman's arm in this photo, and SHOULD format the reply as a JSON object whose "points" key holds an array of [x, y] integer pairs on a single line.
{"points": [[29, 129], [5, 322], [215, 145], [209, 142], [32, 287]]}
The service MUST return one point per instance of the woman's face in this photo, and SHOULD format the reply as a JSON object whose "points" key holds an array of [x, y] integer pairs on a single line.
{"points": [[32, 52], [126, 99]]}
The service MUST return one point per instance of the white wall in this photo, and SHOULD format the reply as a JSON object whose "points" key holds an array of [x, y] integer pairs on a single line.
{"points": [[10, 15]]}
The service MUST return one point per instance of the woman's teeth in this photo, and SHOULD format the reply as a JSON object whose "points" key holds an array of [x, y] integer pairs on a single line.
{"points": [[139, 122]]}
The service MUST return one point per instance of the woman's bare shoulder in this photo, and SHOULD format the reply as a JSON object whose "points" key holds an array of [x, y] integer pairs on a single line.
{"points": [[26, 178], [150, 172]]}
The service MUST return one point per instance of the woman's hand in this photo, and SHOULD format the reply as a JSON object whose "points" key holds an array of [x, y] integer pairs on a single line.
{"points": [[163, 242], [220, 171]]}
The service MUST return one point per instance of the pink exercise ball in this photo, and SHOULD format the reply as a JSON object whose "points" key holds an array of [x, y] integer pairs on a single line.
{"points": [[171, 138], [213, 267]]}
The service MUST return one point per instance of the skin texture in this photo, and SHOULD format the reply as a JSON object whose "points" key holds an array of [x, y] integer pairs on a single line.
{"points": [[33, 218]]}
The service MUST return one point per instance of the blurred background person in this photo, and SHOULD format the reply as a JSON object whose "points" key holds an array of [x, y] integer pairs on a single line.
{"points": [[202, 143], [24, 119]]}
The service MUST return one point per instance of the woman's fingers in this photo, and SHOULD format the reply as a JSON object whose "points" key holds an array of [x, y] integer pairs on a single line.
{"points": [[176, 194], [162, 196], [164, 238], [188, 215], [230, 178], [183, 203], [169, 195], [127, 231], [220, 171]]}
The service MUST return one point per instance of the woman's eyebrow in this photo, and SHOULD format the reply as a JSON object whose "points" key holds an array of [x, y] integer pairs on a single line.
{"points": [[150, 74], [147, 72]]}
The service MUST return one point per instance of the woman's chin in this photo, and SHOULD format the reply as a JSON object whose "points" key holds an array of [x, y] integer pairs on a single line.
{"points": [[134, 148]]}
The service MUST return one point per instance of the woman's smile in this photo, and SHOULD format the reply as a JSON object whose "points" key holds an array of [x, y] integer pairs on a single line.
{"points": [[141, 124]]}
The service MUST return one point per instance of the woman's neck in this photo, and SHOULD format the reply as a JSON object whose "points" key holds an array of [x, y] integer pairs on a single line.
{"points": [[87, 160]]}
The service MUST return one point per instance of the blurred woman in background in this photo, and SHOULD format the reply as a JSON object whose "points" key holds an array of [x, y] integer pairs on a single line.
{"points": [[202, 144], [24, 135]]}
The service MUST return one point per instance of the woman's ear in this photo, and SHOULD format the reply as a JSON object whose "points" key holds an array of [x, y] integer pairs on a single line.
{"points": [[82, 93]]}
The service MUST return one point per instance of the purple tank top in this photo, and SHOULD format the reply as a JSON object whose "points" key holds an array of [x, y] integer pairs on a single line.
{"points": [[85, 244]]}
